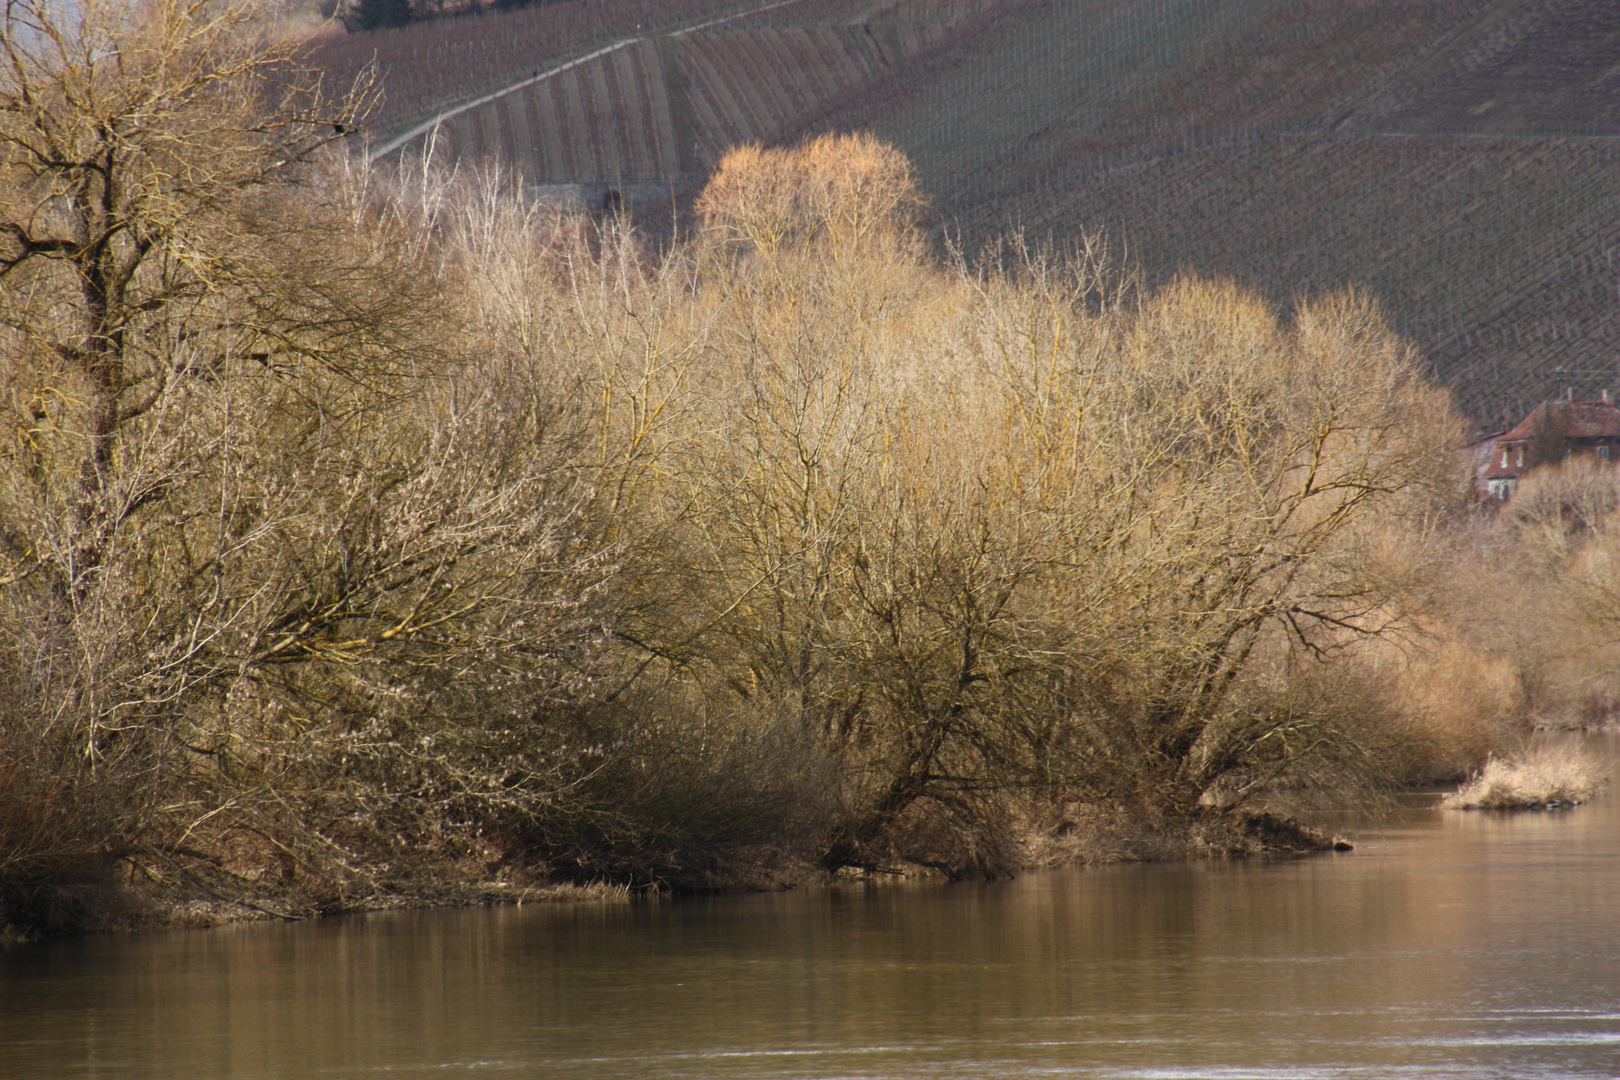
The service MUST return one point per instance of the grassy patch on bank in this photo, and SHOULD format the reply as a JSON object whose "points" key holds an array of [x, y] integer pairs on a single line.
{"points": [[1543, 778]]}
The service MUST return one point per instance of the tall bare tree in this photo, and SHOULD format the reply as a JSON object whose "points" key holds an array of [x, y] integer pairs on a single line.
{"points": [[1012, 533], [287, 568], [139, 146]]}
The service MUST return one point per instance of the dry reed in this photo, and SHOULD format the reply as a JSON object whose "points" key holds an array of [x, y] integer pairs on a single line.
{"points": [[1546, 776]]}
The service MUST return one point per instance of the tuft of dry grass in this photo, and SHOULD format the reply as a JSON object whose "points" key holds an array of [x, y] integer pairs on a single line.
{"points": [[565, 892], [1545, 777]]}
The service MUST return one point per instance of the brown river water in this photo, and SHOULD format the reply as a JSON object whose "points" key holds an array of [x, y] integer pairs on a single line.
{"points": [[1447, 945]]}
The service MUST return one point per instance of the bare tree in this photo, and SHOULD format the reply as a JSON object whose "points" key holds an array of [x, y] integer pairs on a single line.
{"points": [[286, 574], [999, 535], [399, 526], [138, 147], [1245, 464]]}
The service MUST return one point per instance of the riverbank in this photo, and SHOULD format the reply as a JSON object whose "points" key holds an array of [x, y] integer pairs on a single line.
{"points": [[427, 537], [132, 894], [132, 898], [1476, 945]]}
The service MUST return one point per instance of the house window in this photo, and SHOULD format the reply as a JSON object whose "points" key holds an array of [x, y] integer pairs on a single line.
{"points": [[1603, 452], [1504, 457], [1521, 457]]}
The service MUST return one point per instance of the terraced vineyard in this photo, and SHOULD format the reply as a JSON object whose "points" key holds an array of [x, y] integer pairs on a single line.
{"points": [[1544, 67], [1305, 145], [428, 66], [656, 109], [1498, 257], [1461, 158]]}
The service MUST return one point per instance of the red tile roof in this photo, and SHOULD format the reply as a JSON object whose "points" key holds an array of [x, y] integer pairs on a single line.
{"points": [[1553, 428], [1569, 420]]}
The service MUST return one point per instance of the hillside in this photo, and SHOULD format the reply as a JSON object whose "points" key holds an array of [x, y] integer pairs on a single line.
{"points": [[626, 94], [429, 66], [1457, 157]]}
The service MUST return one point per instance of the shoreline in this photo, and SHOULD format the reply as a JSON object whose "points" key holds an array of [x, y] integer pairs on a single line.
{"points": [[180, 900]]}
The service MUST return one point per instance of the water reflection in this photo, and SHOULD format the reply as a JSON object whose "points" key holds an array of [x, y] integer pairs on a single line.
{"points": [[1447, 945]]}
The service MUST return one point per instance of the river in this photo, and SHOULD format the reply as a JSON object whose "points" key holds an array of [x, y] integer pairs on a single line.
{"points": [[1447, 945]]}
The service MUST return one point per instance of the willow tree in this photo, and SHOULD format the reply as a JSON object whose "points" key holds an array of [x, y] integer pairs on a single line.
{"points": [[285, 575], [991, 535], [1248, 469], [140, 149]]}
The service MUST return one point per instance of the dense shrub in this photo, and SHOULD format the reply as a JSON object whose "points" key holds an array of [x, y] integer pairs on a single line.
{"points": [[370, 534]]}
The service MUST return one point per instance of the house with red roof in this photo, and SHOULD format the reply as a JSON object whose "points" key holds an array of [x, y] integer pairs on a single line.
{"points": [[1553, 431]]}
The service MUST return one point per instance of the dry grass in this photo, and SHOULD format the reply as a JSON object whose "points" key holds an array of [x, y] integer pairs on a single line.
{"points": [[1544, 777]]}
